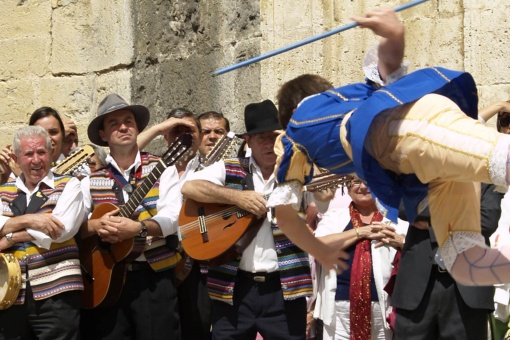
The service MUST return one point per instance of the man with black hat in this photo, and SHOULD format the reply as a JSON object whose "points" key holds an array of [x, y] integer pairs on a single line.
{"points": [[262, 290], [147, 306]]}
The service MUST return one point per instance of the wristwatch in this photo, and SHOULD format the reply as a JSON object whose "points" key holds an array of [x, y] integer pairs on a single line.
{"points": [[143, 231], [8, 236]]}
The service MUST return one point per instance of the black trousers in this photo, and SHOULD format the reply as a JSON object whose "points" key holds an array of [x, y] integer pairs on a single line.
{"points": [[194, 306], [442, 314], [54, 318], [259, 307], [146, 309]]}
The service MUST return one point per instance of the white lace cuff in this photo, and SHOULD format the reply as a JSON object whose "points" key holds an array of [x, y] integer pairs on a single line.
{"points": [[458, 242], [371, 70], [286, 193], [498, 161]]}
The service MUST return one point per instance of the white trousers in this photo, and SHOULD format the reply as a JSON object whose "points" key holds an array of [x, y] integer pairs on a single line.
{"points": [[340, 329]]}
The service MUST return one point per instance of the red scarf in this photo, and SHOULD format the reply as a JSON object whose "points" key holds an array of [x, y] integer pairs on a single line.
{"points": [[361, 273]]}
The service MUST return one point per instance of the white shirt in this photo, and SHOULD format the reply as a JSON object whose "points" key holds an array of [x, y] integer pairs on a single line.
{"points": [[69, 210], [260, 255], [335, 221]]}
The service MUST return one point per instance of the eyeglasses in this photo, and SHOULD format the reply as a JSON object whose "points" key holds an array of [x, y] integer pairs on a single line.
{"points": [[504, 121], [91, 162], [357, 182]]}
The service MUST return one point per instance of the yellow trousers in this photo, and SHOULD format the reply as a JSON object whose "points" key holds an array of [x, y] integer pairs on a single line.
{"points": [[433, 139]]}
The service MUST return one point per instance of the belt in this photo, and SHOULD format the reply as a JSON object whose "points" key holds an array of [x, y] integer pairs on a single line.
{"points": [[137, 266], [260, 276], [439, 269]]}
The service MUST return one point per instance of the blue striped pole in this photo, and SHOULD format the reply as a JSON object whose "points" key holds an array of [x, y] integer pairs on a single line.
{"points": [[304, 42]]}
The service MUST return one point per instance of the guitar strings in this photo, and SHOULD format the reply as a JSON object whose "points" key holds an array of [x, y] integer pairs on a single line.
{"points": [[210, 218]]}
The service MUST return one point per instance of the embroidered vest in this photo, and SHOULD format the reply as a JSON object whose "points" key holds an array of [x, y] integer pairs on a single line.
{"points": [[159, 254], [293, 263], [52, 271]]}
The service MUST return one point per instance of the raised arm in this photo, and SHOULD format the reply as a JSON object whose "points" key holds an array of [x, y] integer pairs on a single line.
{"points": [[489, 111], [161, 129], [384, 23]]}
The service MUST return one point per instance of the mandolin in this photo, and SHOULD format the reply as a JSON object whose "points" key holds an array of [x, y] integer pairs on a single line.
{"points": [[74, 161], [326, 180]]}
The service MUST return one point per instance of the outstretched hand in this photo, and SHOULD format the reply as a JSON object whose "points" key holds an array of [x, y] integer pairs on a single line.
{"points": [[332, 258], [382, 21]]}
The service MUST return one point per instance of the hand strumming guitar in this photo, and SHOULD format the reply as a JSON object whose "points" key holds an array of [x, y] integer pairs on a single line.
{"points": [[114, 228], [251, 201]]}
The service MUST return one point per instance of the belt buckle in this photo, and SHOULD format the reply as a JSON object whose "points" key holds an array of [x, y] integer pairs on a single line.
{"points": [[129, 267], [259, 278]]}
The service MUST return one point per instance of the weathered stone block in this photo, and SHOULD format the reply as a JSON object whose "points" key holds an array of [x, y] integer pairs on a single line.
{"points": [[91, 36], [22, 19], [23, 58]]}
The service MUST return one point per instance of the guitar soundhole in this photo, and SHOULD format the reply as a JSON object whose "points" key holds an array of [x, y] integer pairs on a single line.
{"points": [[104, 245]]}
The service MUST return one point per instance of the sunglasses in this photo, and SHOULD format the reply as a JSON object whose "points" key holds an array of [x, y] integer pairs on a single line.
{"points": [[504, 121]]}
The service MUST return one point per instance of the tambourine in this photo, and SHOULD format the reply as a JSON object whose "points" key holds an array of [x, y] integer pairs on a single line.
{"points": [[10, 280]]}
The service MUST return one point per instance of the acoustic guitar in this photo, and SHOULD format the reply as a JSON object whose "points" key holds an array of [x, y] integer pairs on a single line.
{"points": [[104, 264], [208, 230]]}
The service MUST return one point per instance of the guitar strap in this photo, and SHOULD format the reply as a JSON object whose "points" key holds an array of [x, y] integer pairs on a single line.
{"points": [[120, 182]]}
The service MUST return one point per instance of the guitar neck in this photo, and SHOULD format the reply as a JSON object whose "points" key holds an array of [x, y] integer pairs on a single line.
{"points": [[73, 161], [328, 181], [219, 149], [141, 191], [174, 152]]}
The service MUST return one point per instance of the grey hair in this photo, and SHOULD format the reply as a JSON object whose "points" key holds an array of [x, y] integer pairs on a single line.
{"points": [[27, 132], [101, 155]]}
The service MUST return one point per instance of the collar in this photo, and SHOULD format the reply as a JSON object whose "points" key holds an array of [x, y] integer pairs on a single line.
{"points": [[49, 180], [135, 165], [193, 163], [254, 168], [61, 158]]}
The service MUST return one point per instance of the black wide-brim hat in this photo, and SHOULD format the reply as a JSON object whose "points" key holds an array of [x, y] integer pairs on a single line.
{"points": [[260, 117], [111, 103]]}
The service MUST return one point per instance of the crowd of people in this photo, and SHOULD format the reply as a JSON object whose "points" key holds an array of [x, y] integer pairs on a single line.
{"points": [[405, 253]]}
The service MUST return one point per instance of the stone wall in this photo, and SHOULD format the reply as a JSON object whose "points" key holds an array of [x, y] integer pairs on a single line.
{"points": [[178, 45], [70, 53], [469, 34]]}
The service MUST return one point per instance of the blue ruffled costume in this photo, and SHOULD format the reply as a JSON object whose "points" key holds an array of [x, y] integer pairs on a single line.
{"points": [[315, 130]]}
